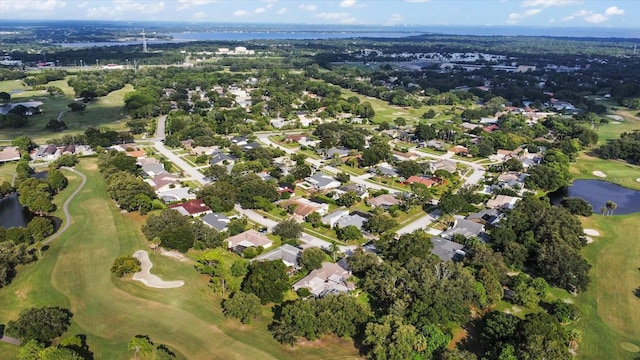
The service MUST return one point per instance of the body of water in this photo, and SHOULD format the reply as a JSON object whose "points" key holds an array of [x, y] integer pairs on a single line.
{"points": [[598, 192], [236, 32], [11, 212]]}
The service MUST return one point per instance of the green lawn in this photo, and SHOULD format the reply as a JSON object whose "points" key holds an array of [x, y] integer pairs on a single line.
{"points": [[610, 309], [7, 171], [74, 273], [104, 111], [617, 171]]}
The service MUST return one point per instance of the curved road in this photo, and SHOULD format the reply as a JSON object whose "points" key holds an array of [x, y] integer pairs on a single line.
{"points": [[65, 207]]}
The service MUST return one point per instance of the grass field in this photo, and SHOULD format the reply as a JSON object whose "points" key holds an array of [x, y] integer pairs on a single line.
{"points": [[104, 111], [610, 309], [617, 171], [74, 273]]}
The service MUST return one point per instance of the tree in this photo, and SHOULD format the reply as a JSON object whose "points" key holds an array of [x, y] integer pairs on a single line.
{"points": [[409, 168], [288, 229], [268, 280], [158, 223], [39, 228], [348, 199], [142, 346], [24, 143], [123, 265], [59, 353], [4, 96], [378, 151], [242, 306], [42, 324], [30, 350], [343, 177], [312, 258], [125, 189], [380, 223], [36, 196], [391, 339], [315, 219], [180, 238], [416, 244], [577, 206], [349, 233], [610, 205], [564, 311], [512, 164], [301, 171], [220, 196], [57, 181]]}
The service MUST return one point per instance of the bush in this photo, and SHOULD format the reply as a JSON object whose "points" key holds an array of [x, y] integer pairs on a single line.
{"points": [[124, 265]]}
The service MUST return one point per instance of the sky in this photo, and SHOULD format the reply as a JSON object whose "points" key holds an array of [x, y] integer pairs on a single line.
{"points": [[544, 13]]}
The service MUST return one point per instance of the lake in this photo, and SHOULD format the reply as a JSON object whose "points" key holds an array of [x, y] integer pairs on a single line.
{"points": [[11, 212], [598, 192]]}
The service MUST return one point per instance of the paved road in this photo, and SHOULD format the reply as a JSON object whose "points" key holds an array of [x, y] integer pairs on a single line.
{"points": [[65, 207], [188, 170], [307, 239], [10, 340]]}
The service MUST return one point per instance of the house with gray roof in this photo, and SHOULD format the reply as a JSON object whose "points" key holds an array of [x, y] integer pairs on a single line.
{"points": [[290, 256], [486, 217], [385, 171], [334, 152], [322, 181], [354, 219], [151, 170], [447, 250], [332, 218], [219, 158], [216, 221], [176, 194], [464, 227]]}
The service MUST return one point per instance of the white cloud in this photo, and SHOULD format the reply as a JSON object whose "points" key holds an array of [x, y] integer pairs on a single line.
{"points": [[614, 10], [595, 18], [200, 15], [269, 6], [185, 4], [514, 18], [8, 6], [549, 3], [307, 7], [347, 3], [240, 13], [341, 17], [259, 10], [394, 19], [124, 8], [282, 11], [83, 4]]}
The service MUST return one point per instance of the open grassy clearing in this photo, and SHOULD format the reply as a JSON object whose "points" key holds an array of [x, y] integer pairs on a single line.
{"points": [[7, 171], [617, 171], [75, 274], [388, 113], [104, 111], [610, 309]]}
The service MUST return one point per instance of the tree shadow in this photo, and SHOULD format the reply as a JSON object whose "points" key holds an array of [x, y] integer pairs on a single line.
{"points": [[83, 348], [636, 292]]}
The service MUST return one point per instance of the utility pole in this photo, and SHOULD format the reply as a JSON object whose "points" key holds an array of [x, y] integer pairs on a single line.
{"points": [[144, 42]]}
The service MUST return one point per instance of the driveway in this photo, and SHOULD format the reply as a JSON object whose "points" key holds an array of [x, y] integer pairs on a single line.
{"points": [[421, 223]]}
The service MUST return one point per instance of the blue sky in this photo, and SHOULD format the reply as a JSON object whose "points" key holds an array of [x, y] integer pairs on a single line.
{"points": [[555, 13]]}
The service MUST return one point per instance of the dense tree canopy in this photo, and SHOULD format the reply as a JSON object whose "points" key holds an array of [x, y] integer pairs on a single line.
{"points": [[42, 324]]}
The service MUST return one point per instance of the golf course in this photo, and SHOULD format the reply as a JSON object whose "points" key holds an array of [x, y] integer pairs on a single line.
{"points": [[74, 273]]}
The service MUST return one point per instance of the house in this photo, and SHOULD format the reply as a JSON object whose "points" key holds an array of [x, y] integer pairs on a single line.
{"points": [[486, 217], [176, 194], [47, 153], [435, 144], [247, 239], [360, 189], [296, 138], [290, 256], [426, 181], [187, 144], [216, 221], [332, 219], [512, 180], [69, 149], [163, 182], [202, 150], [464, 227], [304, 208], [469, 126], [334, 152], [322, 181], [443, 164], [240, 140], [151, 170], [9, 153], [279, 123], [385, 171], [459, 150], [503, 202], [136, 153], [193, 207], [384, 201], [222, 159], [329, 279], [402, 156], [356, 219], [447, 250], [250, 146]]}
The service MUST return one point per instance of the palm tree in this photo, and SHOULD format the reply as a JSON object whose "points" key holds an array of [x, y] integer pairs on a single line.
{"points": [[611, 206], [603, 210], [333, 249]]}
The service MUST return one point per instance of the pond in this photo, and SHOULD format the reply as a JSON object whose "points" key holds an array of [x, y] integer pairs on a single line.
{"points": [[598, 192], [11, 212]]}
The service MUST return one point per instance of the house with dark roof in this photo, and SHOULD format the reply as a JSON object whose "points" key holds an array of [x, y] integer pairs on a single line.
{"points": [[216, 221], [465, 228], [489, 217], [322, 181], [447, 250], [290, 256], [222, 159], [195, 207]]}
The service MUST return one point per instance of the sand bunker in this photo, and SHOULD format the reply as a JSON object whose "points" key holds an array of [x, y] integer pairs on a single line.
{"points": [[173, 254], [147, 278], [589, 239], [591, 232], [616, 123], [638, 180], [599, 173], [615, 117]]}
